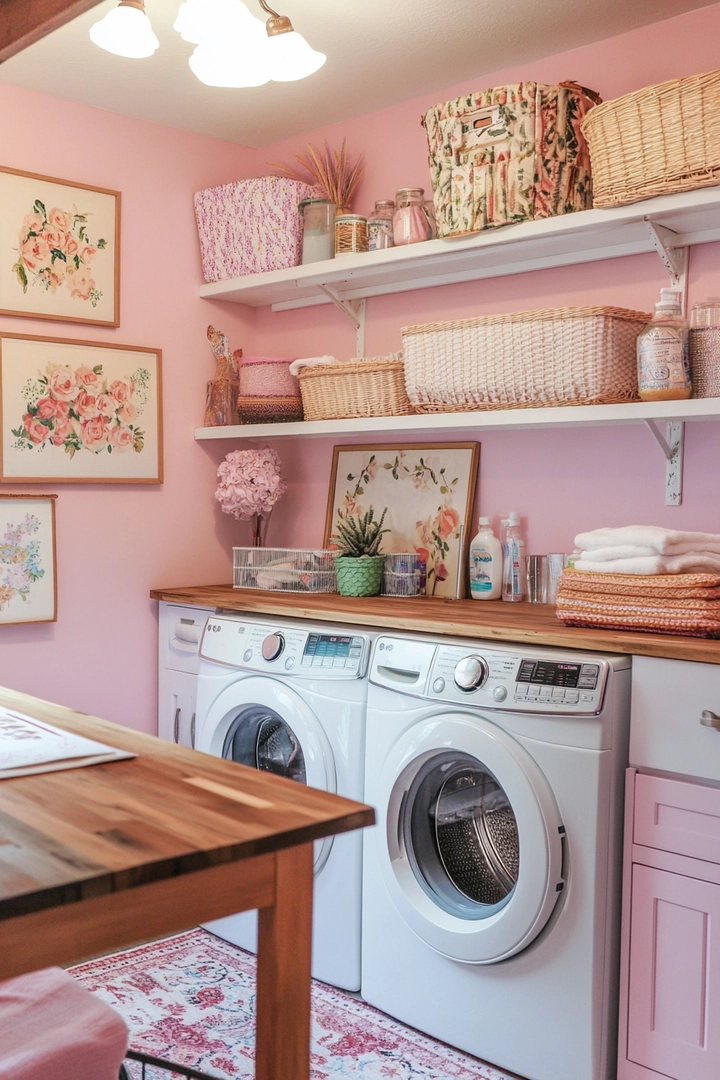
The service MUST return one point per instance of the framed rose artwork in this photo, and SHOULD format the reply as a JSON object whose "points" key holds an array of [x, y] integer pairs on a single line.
{"points": [[427, 490], [59, 249], [28, 564], [79, 412]]}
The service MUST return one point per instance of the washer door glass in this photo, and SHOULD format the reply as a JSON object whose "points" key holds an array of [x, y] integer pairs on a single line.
{"points": [[259, 737], [461, 836]]}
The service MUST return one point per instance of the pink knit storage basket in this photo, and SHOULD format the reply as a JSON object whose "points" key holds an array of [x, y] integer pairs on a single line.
{"points": [[267, 392], [250, 226], [557, 356]]}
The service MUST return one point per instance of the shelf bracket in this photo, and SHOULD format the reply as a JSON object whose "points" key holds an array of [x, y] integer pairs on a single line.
{"points": [[671, 445], [674, 258], [355, 312]]}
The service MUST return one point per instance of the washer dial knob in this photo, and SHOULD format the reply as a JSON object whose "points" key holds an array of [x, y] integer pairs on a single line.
{"points": [[272, 646], [470, 673]]}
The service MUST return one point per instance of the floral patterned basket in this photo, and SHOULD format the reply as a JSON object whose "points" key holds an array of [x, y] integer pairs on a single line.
{"points": [[509, 154]]}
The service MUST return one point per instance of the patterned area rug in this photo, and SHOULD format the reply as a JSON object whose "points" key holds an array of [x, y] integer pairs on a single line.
{"points": [[190, 999]]}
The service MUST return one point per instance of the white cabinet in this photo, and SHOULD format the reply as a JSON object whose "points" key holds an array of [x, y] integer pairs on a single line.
{"points": [[179, 633], [670, 954]]}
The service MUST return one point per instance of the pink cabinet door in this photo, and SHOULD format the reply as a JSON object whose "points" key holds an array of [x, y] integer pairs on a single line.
{"points": [[674, 992]]}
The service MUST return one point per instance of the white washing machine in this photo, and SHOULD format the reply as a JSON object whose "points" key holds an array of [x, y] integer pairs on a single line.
{"points": [[290, 698], [491, 896]]}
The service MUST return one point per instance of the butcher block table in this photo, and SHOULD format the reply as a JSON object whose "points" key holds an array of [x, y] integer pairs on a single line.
{"points": [[103, 857]]}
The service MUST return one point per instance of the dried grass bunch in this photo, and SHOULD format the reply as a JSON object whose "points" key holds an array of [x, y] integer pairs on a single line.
{"points": [[334, 176]]}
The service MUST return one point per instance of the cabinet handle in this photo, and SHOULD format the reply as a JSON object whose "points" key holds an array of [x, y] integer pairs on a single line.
{"points": [[710, 719], [176, 725], [192, 731]]}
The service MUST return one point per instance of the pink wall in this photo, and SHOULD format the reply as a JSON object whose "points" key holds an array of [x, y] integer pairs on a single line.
{"points": [[560, 481], [117, 542]]}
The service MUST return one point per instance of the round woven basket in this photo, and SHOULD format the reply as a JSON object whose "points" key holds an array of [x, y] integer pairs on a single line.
{"points": [[269, 410], [359, 577], [374, 386], [655, 141]]}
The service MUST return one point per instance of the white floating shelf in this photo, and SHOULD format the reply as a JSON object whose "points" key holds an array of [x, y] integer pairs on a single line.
{"points": [[501, 419], [588, 236]]}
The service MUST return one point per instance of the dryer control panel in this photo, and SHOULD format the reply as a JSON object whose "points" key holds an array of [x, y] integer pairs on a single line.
{"points": [[285, 650], [491, 678]]}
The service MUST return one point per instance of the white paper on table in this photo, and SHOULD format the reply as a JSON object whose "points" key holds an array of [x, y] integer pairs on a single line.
{"points": [[29, 746]]}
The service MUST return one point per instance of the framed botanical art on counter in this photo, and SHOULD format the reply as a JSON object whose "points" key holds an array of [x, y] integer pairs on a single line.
{"points": [[59, 249], [28, 570], [428, 490], [79, 412]]}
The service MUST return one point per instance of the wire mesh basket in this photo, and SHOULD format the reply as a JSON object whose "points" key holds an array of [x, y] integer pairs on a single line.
{"points": [[284, 569]]}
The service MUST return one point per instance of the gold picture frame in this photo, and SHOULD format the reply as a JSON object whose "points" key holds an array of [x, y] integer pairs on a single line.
{"points": [[59, 249], [79, 412], [429, 492], [28, 559]]}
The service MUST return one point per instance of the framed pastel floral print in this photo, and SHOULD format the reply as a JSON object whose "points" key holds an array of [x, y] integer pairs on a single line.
{"points": [[28, 562], [59, 249], [429, 492], [79, 412]]}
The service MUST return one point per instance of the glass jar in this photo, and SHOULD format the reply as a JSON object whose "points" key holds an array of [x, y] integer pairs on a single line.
{"points": [[411, 224], [351, 234], [318, 230], [704, 348], [380, 225]]}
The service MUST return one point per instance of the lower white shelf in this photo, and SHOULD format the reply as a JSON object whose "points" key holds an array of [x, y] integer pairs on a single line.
{"points": [[502, 419]]}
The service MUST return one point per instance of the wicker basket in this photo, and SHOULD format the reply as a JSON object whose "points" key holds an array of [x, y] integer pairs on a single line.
{"points": [[374, 386], [560, 356], [269, 410], [658, 140]]}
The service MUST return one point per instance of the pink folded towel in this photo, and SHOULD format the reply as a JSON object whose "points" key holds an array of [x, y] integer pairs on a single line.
{"points": [[650, 540], [51, 1028]]}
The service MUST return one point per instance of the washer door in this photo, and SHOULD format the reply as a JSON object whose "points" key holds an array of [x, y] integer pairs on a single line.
{"points": [[472, 847], [262, 723]]}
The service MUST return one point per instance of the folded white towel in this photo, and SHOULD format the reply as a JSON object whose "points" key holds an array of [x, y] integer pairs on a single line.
{"points": [[622, 551], [658, 540], [651, 564], [311, 361]]}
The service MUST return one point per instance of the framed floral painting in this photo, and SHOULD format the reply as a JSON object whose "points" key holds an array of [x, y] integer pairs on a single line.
{"points": [[79, 412], [428, 491], [59, 249], [28, 570]]}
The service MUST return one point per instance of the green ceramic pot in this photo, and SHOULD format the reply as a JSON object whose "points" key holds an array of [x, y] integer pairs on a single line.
{"points": [[359, 577]]}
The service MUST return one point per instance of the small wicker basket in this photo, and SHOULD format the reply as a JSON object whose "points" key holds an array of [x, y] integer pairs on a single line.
{"points": [[656, 141], [374, 386], [558, 356]]}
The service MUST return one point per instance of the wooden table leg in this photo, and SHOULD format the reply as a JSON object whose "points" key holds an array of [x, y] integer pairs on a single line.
{"points": [[282, 1040]]}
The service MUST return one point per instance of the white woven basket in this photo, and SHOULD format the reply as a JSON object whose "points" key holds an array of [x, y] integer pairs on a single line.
{"points": [[558, 356]]}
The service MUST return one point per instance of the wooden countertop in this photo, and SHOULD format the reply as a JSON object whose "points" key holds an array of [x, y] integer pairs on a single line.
{"points": [[93, 831], [529, 624]]}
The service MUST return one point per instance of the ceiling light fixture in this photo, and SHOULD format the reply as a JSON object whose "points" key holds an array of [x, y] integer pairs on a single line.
{"points": [[289, 55], [125, 31]]}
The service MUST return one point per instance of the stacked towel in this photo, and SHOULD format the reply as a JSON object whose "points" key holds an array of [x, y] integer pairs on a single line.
{"points": [[647, 549], [687, 604]]}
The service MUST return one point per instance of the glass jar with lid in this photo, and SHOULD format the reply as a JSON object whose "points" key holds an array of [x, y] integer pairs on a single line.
{"points": [[380, 225], [411, 224], [704, 348], [318, 241]]}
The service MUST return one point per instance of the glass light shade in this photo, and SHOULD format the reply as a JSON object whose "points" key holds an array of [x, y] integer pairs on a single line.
{"points": [[207, 21], [233, 63], [291, 58], [125, 31]]}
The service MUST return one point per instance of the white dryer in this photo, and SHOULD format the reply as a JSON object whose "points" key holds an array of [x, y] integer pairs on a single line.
{"points": [[491, 880], [290, 698]]}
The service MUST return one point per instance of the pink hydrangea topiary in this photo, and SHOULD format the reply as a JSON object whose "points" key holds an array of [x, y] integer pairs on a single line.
{"points": [[249, 483]]}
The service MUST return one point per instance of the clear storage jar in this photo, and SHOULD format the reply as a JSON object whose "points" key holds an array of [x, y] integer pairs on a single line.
{"points": [[411, 223], [704, 348], [380, 225], [318, 230]]}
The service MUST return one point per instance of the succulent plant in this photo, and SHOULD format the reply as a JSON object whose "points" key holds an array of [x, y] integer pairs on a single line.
{"points": [[358, 536]]}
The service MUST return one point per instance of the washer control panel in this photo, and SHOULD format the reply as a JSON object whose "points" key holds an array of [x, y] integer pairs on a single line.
{"points": [[287, 650], [481, 676]]}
